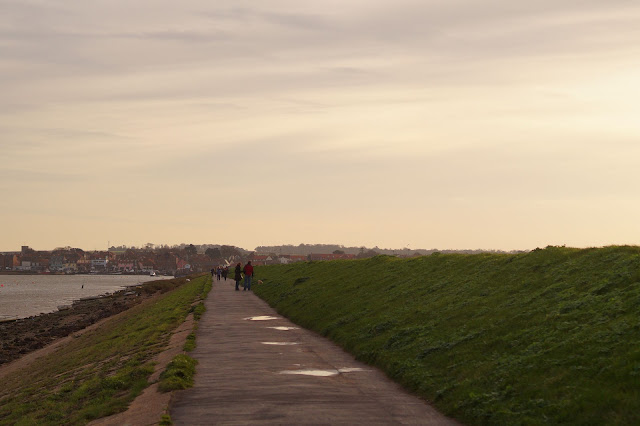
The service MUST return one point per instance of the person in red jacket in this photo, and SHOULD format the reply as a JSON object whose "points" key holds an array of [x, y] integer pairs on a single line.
{"points": [[248, 273]]}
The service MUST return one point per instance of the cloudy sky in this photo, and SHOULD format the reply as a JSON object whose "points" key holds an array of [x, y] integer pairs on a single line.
{"points": [[492, 124]]}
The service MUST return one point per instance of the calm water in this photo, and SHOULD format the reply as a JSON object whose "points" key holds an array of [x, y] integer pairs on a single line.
{"points": [[22, 296]]}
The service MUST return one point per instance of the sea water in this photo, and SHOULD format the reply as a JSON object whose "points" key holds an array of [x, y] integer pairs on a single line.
{"points": [[22, 296]]}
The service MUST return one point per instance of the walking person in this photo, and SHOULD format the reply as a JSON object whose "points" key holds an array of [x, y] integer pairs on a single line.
{"points": [[219, 273], [238, 276], [248, 273], [225, 272]]}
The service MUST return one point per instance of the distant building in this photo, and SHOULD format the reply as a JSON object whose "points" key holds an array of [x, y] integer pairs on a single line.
{"points": [[298, 258], [99, 264], [285, 259], [56, 263], [260, 260], [126, 266], [6, 262]]}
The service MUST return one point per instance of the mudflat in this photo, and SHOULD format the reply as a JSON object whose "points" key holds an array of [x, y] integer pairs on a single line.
{"points": [[256, 367]]}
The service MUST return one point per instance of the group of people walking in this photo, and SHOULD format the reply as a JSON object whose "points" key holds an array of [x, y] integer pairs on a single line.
{"points": [[248, 274], [222, 272]]}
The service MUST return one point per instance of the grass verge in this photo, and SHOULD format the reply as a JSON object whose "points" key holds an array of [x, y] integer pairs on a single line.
{"points": [[546, 337], [190, 344], [180, 371], [198, 311], [179, 374], [102, 371]]}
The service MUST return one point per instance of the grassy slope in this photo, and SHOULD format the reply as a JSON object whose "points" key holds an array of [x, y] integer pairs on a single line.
{"points": [[99, 373], [547, 337]]}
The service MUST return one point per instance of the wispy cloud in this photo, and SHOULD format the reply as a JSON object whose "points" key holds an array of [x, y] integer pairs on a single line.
{"points": [[437, 109]]}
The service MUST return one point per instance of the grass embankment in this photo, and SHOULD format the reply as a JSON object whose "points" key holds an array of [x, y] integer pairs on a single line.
{"points": [[546, 337], [102, 371], [180, 371]]}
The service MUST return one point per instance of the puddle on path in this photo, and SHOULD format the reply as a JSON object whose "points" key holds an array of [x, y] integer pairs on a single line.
{"points": [[317, 373], [261, 318], [350, 370], [279, 343], [321, 373], [284, 328]]}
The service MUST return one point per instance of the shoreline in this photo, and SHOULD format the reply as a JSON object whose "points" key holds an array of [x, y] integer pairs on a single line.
{"points": [[65, 307], [29, 295], [21, 336], [79, 273]]}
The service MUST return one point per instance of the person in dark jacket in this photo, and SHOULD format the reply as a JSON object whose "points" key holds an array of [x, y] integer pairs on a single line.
{"points": [[248, 273], [238, 276]]}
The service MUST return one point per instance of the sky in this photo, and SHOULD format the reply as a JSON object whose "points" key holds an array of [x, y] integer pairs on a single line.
{"points": [[452, 124]]}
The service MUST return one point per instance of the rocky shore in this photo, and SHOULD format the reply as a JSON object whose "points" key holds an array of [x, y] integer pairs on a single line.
{"points": [[22, 336]]}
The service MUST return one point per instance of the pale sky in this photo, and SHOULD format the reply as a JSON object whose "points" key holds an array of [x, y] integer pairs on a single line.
{"points": [[451, 124]]}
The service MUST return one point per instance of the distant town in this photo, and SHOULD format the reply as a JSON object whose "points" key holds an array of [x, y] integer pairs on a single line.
{"points": [[182, 259]]}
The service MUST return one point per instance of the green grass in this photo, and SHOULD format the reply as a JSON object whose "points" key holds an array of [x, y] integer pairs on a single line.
{"points": [[102, 371], [180, 371], [179, 374], [190, 344], [546, 337], [198, 311]]}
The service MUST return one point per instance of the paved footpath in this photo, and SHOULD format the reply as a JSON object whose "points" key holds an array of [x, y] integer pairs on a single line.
{"points": [[269, 371]]}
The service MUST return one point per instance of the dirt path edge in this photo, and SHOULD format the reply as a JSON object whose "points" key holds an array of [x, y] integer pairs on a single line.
{"points": [[149, 407]]}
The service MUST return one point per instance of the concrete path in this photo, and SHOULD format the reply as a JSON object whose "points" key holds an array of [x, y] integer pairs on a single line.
{"points": [[268, 371]]}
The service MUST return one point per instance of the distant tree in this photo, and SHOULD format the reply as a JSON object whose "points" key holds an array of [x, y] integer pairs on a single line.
{"points": [[366, 254], [229, 251], [191, 250], [213, 253]]}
